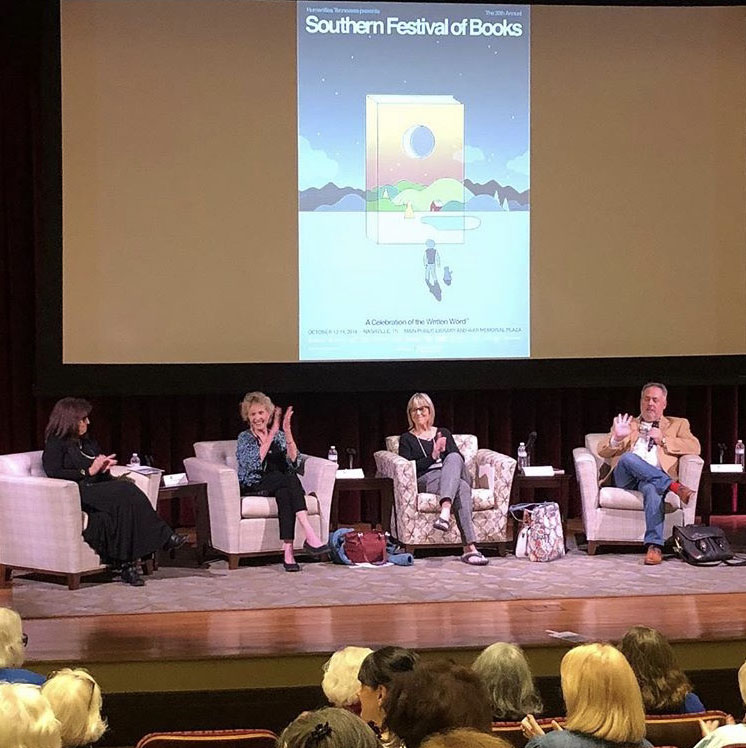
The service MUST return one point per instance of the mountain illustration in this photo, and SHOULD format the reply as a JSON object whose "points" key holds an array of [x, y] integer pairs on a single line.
{"points": [[329, 194], [491, 187], [346, 204]]}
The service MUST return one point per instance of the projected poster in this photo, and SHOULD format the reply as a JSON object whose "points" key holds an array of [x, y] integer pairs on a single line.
{"points": [[413, 181]]}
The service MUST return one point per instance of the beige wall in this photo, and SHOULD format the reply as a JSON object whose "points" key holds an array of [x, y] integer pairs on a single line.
{"points": [[180, 196]]}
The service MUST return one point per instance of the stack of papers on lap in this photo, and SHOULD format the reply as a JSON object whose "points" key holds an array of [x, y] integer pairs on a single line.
{"points": [[143, 469]]}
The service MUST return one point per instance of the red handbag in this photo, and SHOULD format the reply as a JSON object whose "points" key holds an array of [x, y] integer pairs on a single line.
{"points": [[367, 547]]}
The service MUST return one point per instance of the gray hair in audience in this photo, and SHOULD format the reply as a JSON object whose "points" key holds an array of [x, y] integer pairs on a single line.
{"points": [[505, 671], [330, 727]]}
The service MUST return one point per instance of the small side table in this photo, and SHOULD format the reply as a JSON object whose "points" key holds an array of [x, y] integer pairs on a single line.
{"points": [[704, 500], [384, 487], [197, 494], [524, 489]]}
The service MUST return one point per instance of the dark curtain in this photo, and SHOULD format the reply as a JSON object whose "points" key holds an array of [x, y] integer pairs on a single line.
{"points": [[167, 426]]}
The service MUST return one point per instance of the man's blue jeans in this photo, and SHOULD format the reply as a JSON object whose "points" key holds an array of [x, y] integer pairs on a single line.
{"points": [[634, 473]]}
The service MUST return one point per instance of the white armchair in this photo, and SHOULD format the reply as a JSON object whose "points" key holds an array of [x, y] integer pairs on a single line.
{"points": [[41, 522], [413, 513], [249, 525], [615, 515]]}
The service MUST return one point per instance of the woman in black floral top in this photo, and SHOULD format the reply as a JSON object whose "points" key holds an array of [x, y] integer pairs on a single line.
{"points": [[267, 459]]}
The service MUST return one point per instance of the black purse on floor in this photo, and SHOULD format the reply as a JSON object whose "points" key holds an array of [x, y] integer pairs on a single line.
{"points": [[702, 545]]}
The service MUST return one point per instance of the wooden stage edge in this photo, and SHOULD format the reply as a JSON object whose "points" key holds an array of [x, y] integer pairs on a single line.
{"points": [[287, 646]]}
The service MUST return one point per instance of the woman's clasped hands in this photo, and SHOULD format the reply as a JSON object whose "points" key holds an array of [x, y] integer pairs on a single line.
{"points": [[101, 464], [532, 729]]}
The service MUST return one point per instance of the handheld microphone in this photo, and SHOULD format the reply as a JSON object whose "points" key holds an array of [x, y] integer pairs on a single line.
{"points": [[530, 441], [651, 441]]}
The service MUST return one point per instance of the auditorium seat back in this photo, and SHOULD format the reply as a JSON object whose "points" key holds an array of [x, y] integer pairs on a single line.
{"points": [[676, 730], [681, 730], [210, 739]]}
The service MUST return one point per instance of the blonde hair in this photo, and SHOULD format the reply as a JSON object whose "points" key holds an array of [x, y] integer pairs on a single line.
{"points": [[26, 718], [11, 642], [601, 693], [76, 700], [255, 398], [464, 737], [418, 400], [340, 683], [505, 671]]}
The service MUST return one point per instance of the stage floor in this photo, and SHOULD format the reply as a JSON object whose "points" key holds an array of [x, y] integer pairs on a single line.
{"points": [[285, 646]]}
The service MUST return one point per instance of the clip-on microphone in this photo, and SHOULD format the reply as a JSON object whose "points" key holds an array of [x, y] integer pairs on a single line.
{"points": [[651, 441]]}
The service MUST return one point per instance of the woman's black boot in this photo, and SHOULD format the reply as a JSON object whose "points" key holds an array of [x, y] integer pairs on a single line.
{"points": [[131, 575]]}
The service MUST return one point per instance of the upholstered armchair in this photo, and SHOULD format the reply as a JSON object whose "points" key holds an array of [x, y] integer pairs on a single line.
{"points": [[413, 514], [41, 522], [615, 515], [249, 525]]}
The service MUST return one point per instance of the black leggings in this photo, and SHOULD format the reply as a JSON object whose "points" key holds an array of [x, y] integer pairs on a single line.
{"points": [[290, 497]]}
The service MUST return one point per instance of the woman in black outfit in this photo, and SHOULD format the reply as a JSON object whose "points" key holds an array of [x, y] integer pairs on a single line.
{"points": [[122, 524]]}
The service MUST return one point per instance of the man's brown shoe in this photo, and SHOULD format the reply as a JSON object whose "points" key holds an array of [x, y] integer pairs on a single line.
{"points": [[654, 556], [684, 493]]}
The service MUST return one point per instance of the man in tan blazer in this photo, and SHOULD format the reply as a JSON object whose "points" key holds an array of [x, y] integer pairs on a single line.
{"points": [[644, 454]]}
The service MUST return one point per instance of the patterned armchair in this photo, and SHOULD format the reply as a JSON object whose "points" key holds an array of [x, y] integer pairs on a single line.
{"points": [[414, 513]]}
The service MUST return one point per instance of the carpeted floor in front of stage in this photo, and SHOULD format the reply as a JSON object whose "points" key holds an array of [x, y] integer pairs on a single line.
{"points": [[264, 584]]}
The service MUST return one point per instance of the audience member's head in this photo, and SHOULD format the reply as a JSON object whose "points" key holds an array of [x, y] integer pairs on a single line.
{"points": [[504, 670], [662, 682], [375, 675], [11, 639], [328, 728], [76, 701], [464, 738], [601, 694], [435, 697], [26, 718], [340, 683]]}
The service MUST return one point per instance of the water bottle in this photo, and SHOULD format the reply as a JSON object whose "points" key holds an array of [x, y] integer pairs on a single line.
{"points": [[522, 456], [333, 456], [739, 453], [135, 460]]}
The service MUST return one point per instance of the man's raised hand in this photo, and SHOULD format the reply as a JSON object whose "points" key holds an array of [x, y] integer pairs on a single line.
{"points": [[622, 426]]}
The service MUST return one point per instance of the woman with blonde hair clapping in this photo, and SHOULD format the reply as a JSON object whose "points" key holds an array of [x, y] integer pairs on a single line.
{"points": [[603, 700]]}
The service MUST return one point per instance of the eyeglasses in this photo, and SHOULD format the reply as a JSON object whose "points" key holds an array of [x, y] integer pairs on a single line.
{"points": [[421, 409], [24, 639]]}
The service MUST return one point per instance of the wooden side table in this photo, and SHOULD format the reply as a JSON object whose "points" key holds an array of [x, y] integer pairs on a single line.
{"points": [[197, 494], [704, 500], [384, 487]]}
